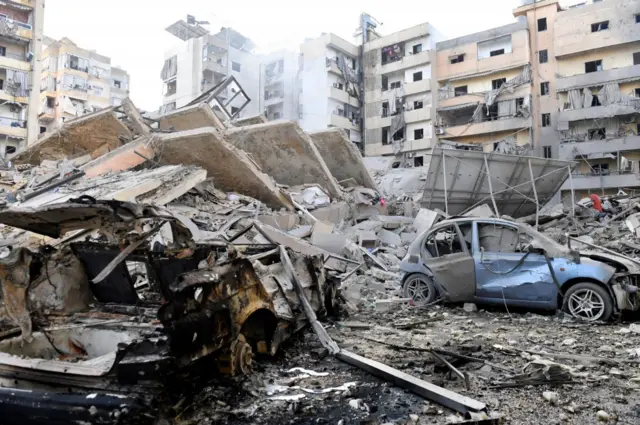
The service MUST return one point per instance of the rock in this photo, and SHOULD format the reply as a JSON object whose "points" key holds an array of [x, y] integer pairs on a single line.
{"points": [[606, 348], [413, 419], [569, 341], [603, 416], [356, 403], [635, 328], [486, 369], [470, 307], [551, 397]]}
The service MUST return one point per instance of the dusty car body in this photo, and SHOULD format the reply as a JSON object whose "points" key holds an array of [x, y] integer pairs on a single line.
{"points": [[86, 348], [495, 261]]}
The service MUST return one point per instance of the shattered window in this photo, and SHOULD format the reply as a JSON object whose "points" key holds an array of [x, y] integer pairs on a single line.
{"points": [[600, 26], [444, 241], [497, 238]]}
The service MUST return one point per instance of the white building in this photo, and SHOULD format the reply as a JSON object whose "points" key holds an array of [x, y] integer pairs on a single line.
{"points": [[279, 88], [203, 61], [329, 85]]}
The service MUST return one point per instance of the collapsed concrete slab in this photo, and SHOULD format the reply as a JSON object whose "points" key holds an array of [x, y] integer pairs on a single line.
{"points": [[95, 133], [121, 159], [189, 118], [342, 157], [231, 168], [255, 119], [284, 151]]}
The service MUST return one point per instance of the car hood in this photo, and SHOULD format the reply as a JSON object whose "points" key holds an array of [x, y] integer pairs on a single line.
{"points": [[605, 257]]}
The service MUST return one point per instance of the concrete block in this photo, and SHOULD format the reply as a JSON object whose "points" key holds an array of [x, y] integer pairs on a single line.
{"points": [[286, 153], [394, 221], [283, 221], [334, 213], [389, 238], [367, 239], [323, 238], [424, 220], [190, 118], [342, 157]]}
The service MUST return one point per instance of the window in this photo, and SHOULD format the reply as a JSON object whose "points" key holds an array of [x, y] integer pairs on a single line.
{"points": [[460, 91], [637, 92], [638, 129], [418, 161], [544, 88], [418, 134], [417, 48], [457, 59], [638, 18], [600, 169], [339, 86], [417, 76], [600, 26], [595, 101], [10, 149], [496, 84], [417, 104], [496, 52], [396, 85], [636, 58], [51, 102], [399, 135], [593, 66], [543, 56], [3, 51], [43, 130], [170, 88], [385, 135], [498, 238], [235, 66], [519, 104], [392, 53], [234, 110], [385, 109], [444, 241], [546, 120], [353, 63], [117, 84], [597, 134], [1, 84], [546, 151], [276, 115], [385, 83], [542, 24]]}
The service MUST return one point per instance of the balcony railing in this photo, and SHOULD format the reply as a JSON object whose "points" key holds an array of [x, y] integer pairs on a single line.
{"points": [[18, 23], [14, 56], [594, 173], [12, 122], [78, 68]]}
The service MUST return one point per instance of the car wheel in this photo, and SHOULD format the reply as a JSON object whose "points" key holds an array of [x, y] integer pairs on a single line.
{"points": [[588, 301], [420, 288]]}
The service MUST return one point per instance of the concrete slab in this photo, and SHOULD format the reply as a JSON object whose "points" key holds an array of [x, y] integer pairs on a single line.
{"points": [[95, 133], [231, 168], [483, 211], [286, 221], [256, 119], [424, 220], [334, 213], [121, 159], [342, 157], [286, 153], [190, 117], [389, 238]]}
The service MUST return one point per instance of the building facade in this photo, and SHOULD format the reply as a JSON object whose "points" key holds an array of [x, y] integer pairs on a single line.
{"points": [[20, 45], [76, 81], [203, 60], [279, 88], [399, 94], [329, 86]]}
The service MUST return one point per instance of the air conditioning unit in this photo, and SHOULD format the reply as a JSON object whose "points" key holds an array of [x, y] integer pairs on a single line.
{"points": [[439, 130], [14, 108], [410, 154], [335, 85]]}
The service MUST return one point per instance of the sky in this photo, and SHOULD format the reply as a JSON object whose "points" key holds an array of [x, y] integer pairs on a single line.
{"points": [[132, 33]]}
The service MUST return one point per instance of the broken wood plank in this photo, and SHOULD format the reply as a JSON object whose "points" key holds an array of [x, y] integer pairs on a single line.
{"points": [[447, 398]]}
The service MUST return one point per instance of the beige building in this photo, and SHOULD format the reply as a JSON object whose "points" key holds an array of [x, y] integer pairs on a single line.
{"points": [[20, 33], [398, 94], [75, 82]]}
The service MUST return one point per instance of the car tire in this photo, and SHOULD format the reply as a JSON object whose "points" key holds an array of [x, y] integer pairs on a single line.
{"points": [[420, 288], [582, 299]]}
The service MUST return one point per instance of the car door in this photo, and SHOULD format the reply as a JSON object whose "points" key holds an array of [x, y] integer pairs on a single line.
{"points": [[506, 274], [447, 254]]}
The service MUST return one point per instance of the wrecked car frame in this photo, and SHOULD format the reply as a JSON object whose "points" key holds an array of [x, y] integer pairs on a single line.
{"points": [[496, 261]]}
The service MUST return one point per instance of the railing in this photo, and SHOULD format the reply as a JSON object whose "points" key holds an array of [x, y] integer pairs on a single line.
{"points": [[18, 23], [12, 122], [596, 173], [15, 56], [78, 68]]}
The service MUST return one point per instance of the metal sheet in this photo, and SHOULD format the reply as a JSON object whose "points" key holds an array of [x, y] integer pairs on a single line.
{"points": [[468, 185]]}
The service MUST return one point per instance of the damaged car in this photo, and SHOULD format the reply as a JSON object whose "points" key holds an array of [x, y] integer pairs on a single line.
{"points": [[494, 261], [97, 323]]}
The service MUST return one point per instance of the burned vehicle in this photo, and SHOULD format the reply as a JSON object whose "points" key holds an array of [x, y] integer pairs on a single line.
{"points": [[83, 343], [494, 261]]}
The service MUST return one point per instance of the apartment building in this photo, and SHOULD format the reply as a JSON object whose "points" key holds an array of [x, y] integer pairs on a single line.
{"points": [[76, 81], [329, 93], [399, 94], [485, 92], [279, 85], [203, 60], [20, 34]]}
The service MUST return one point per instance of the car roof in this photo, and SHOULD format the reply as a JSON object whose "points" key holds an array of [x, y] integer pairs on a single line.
{"points": [[472, 219]]}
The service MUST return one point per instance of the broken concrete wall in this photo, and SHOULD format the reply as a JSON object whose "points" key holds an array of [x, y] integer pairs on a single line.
{"points": [[255, 119], [189, 118], [231, 168], [342, 157], [285, 152], [94, 133]]}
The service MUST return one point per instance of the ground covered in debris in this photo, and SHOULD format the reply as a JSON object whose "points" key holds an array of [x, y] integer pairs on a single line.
{"points": [[524, 351]]}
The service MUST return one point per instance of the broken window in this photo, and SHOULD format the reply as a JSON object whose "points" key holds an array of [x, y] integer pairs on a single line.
{"points": [[542, 24], [51, 102], [385, 135], [417, 76], [593, 66], [418, 161], [417, 104], [600, 169], [493, 112], [544, 88], [546, 120], [418, 134], [457, 59], [600, 26], [396, 85], [636, 58], [385, 109], [494, 237], [595, 100], [399, 135], [460, 91], [546, 150], [1, 84], [117, 84], [417, 48], [444, 241], [496, 52], [43, 129], [3, 51], [353, 63], [392, 53], [597, 134], [170, 87], [10, 149], [543, 56], [637, 91], [496, 84], [235, 66], [519, 105], [385, 83]]}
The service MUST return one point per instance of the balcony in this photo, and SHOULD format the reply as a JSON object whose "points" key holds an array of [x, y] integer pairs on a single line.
{"points": [[494, 126], [343, 122], [76, 92], [591, 79], [596, 112], [473, 98], [615, 179], [9, 97], [12, 28], [47, 114], [416, 115], [13, 127], [344, 97], [219, 68], [570, 151], [407, 61], [26, 3], [417, 87], [18, 62]]}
